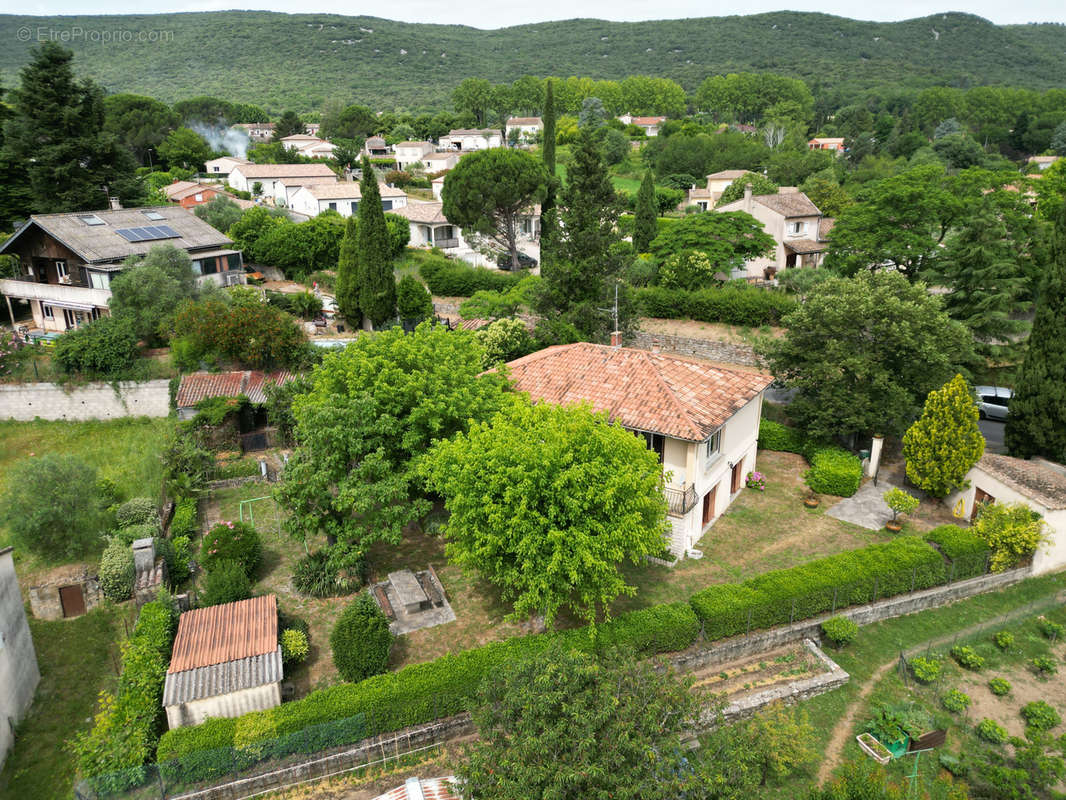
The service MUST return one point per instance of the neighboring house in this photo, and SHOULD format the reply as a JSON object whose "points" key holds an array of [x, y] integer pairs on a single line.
{"points": [[424, 789], [226, 661], [244, 177], [717, 182], [375, 147], [342, 197], [429, 226], [312, 128], [18, 660], [437, 185], [258, 131], [66, 260], [1037, 483], [408, 154], [702, 421], [796, 225], [527, 128], [222, 167], [188, 194], [252, 384], [1043, 162], [310, 146], [823, 143], [285, 190], [467, 139], [440, 162], [650, 125]]}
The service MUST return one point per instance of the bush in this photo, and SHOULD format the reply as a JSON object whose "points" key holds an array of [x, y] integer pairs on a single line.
{"points": [[117, 571], [231, 541], [732, 304], [1011, 530], [1051, 630], [238, 468], [182, 549], [226, 582], [1000, 687], [314, 577], [834, 471], [1004, 640], [847, 579], [966, 551], [413, 301], [104, 348], [447, 278], [1040, 716], [926, 670], [991, 731], [138, 511], [955, 701], [143, 530], [185, 522], [294, 646], [900, 502], [967, 657], [361, 640], [1044, 666], [840, 630], [775, 436]]}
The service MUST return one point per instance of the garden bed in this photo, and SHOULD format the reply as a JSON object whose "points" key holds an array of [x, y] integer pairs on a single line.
{"points": [[772, 668]]}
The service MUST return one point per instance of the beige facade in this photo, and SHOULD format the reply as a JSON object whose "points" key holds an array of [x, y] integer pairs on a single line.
{"points": [[795, 231], [408, 154]]}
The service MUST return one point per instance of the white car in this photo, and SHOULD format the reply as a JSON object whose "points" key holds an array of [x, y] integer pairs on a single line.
{"points": [[992, 402]]}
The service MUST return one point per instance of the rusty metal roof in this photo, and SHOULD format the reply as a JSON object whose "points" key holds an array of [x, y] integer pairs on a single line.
{"points": [[228, 632]]}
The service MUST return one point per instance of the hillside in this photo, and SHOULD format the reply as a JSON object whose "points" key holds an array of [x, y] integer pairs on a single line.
{"points": [[300, 61]]}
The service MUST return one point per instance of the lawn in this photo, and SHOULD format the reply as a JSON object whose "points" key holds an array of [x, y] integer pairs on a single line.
{"points": [[77, 660]]}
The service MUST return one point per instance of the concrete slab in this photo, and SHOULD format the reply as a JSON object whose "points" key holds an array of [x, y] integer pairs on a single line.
{"points": [[865, 508], [413, 620]]}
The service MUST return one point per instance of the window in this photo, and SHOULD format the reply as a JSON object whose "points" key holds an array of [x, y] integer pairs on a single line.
{"points": [[655, 442], [153, 215], [386, 205], [47, 311], [332, 206], [94, 314], [214, 169], [99, 280], [61, 269], [712, 449], [198, 197], [797, 228], [91, 219]]}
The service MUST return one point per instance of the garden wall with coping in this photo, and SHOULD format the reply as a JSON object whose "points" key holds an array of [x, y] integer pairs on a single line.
{"points": [[25, 402]]}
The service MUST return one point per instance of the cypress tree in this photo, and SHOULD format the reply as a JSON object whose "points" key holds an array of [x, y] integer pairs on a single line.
{"points": [[547, 206], [942, 445], [348, 273], [1036, 425], [645, 228], [377, 286]]}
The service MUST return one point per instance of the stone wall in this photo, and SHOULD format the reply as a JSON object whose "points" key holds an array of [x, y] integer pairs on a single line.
{"points": [[18, 661], [45, 602], [92, 401], [728, 352]]}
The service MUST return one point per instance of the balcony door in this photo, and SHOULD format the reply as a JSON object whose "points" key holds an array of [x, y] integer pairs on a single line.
{"points": [[708, 505], [70, 319], [738, 472]]}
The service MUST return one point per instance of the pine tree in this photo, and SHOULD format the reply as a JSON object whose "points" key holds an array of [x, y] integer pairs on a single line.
{"points": [[547, 207], [645, 227], [348, 273], [1036, 424], [377, 285], [942, 445]]}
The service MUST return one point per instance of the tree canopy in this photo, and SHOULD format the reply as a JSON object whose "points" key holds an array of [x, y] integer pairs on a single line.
{"points": [[149, 290], [945, 442], [726, 238]]}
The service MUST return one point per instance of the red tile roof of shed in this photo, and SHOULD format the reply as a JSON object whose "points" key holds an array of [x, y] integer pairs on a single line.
{"points": [[228, 632], [677, 397], [199, 386]]}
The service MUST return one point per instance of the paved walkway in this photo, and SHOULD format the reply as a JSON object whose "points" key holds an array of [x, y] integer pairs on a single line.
{"points": [[866, 507]]}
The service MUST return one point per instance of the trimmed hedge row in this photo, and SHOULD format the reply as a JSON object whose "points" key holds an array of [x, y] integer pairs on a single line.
{"points": [[733, 304], [184, 521], [834, 471], [841, 580], [775, 436], [415, 694], [967, 552], [447, 278]]}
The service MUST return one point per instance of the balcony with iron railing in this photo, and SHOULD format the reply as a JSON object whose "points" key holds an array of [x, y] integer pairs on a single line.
{"points": [[446, 244], [70, 290], [680, 500]]}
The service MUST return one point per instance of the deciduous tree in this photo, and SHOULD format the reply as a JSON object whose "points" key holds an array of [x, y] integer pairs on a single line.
{"points": [[727, 238], [759, 184], [942, 444], [149, 290], [185, 148]]}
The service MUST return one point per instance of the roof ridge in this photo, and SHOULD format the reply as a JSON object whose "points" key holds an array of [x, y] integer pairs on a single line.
{"points": [[671, 392]]}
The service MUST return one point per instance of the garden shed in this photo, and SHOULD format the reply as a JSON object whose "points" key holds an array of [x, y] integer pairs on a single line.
{"points": [[226, 662], [64, 592]]}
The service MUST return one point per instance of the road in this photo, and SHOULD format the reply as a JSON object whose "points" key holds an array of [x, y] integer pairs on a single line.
{"points": [[993, 433]]}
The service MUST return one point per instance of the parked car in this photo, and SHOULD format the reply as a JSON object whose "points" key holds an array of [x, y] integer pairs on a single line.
{"points": [[524, 261], [992, 402]]}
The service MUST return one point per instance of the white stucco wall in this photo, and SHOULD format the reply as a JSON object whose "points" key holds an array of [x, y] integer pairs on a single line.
{"points": [[234, 704], [18, 661]]}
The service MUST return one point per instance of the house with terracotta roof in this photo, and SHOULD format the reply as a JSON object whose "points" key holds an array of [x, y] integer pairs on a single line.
{"points": [[307, 145], [717, 182], [226, 662], [253, 384], [222, 166], [650, 125], [429, 226], [1038, 483], [467, 139], [1043, 162], [441, 162], [342, 197], [523, 130], [796, 224], [244, 177], [193, 193], [701, 420], [834, 144]]}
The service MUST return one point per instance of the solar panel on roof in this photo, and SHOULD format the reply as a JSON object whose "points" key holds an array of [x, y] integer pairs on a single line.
{"points": [[148, 233]]}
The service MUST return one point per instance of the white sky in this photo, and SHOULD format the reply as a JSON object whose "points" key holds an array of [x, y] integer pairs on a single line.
{"points": [[497, 13]]}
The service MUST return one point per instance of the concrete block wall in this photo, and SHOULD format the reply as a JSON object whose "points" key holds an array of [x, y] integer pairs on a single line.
{"points": [[92, 401], [18, 660]]}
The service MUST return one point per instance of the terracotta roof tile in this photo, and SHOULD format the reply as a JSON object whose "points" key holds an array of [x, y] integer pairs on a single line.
{"points": [[285, 171], [677, 397], [825, 224], [789, 204], [729, 174], [228, 632], [423, 789], [199, 386], [1034, 479], [805, 246]]}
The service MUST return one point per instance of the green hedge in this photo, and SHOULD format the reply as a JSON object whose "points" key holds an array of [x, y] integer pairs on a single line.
{"points": [[779, 597], [418, 693], [185, 521], [732, 304], [967, 552], [775, 436], [448, 278], [834, 471]]}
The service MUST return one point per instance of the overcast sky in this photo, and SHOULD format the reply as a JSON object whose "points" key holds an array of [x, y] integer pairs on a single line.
{"points": [[501, 13]]}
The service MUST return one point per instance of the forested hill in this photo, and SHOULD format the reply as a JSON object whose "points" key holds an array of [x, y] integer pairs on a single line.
{"points": [[300, 61]]}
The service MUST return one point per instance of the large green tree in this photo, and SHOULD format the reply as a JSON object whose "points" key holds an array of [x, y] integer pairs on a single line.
{"points": [[1036, 424], [727, 238], [489, 191], [548, 212], [759, 184], [372, 411], [219, 212], [186, 148], [288, 124], [150, 289], [645, 227], [348, 273], [564, 724], [140, 123], [945, 442], [864, 352], [377, 285], [547, 502], [474, 95]]}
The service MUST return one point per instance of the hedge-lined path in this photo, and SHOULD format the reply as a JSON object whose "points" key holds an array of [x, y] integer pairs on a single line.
{"points": [[843, 729]]}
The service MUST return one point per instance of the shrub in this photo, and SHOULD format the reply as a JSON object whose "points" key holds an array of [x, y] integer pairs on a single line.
{"points": [[944, 443], [226, 582], [955, 701], [185, 522], [138, 511], [955, 764], [117, 571], [991, 731], [313, 576], [238, 468], [1040, 716], [1044, 666], [412, 300], [361, 640], [447, 278], [1004, 640], [294, 646], [1051, 630], [967, 657], [732, 304], [967, 552], [1011, 530], [1000, 687], [231, 541], [926, 670], [834, 471], [900, 502], [104, 348], [840, 630], [182, 549], [143, 530], [775, 436], [244, 329], [756, 480]]}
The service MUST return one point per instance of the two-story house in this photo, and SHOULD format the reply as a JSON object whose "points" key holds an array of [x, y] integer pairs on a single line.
{"points": [[796, 224], [466, 139], [650, 125], [429, 226], [701, 420], [307, 145], [441, 162], [717, 183], [523, 130], [376, 147], [342, 197], [244, 177], [258, 131], [66, 260], [221, 167], [408, 154], [833, 144]]}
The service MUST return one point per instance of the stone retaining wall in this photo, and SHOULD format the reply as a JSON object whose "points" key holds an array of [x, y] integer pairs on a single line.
{"points": [[50, 401], [728, 352]]}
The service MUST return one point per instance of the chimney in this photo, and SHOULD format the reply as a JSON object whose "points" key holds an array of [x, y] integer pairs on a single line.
{"points": [[747, 197], [114, 203], [655, 345], [616, 338]]}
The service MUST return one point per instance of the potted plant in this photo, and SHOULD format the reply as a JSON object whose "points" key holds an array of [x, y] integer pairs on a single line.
{"points": [[900, 502], [811, 500]]}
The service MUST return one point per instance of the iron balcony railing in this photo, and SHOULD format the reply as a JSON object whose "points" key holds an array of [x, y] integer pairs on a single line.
{"points": [[680, 501]]}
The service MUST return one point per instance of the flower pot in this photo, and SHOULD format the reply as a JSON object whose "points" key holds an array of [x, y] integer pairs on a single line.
{"points": [[894, 526], [811, 502]]}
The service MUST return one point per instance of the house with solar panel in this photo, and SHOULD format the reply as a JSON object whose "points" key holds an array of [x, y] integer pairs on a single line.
{"points": [[226, 662], [66, 261]]}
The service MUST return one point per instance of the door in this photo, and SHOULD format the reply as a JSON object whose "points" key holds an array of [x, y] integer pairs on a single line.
{"points": [[72, 600], [980, 497], [708, 506], [70, 319], [738, 471]]}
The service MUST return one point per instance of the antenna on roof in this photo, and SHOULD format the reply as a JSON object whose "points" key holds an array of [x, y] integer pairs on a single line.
{"points": [[616, 334]]}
